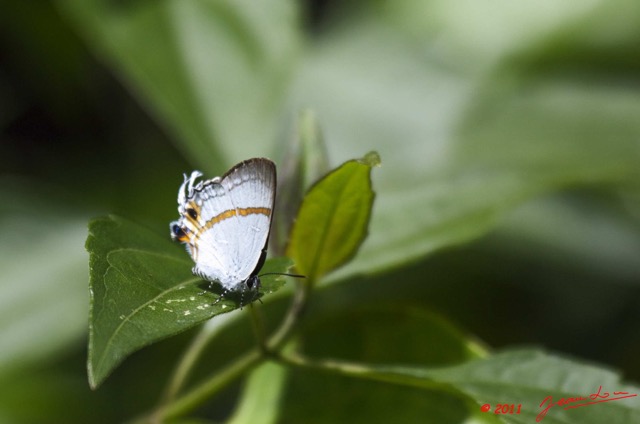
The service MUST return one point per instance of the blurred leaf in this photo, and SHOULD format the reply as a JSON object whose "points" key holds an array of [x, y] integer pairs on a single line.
{"points": [[260, 401], [333, 218], [582, 234], [142, 290], [390, 334], [461, 147], [51, 394], [304, 163], [376, 402], [308, 150], [43, 281], [34, 60], [482, 31], [213, 72], [377, 335]]}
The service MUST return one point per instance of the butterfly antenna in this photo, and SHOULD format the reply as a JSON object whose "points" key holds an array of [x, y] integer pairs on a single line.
{"points": [[283, 273]]}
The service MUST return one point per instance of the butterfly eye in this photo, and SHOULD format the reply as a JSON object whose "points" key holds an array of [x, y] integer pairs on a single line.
{"points": [[178, 232], [192, 213]]}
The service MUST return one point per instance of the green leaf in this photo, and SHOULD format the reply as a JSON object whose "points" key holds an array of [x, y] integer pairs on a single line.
{"points": [[142, 290], [213, 72], [333, 218]]}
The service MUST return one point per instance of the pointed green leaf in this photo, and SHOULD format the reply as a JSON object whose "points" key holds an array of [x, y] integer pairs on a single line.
{"points": [[333, 218], [142, 290]]}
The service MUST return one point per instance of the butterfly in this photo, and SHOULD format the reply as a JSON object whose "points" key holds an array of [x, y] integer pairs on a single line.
{"points": [[225, 222]]}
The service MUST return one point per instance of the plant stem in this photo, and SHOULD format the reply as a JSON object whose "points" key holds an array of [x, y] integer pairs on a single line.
{"points": [[298, 305], [340, 367], [191, 356], [388, 374]]}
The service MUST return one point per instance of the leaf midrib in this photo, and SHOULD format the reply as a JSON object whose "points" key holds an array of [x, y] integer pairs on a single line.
{"points": [[110, 341]]}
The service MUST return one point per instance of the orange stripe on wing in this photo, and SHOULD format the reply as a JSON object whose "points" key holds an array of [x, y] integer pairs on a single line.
{"points": [[230, 213], [193, 237]]}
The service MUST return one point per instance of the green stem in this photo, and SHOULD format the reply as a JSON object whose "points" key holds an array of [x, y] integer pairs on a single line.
{"points": [[191, 356], [340, 367], [298, 305], [388, 374]]}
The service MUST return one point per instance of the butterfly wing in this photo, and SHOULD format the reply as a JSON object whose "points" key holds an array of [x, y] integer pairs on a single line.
{"points": [[233, 219]]}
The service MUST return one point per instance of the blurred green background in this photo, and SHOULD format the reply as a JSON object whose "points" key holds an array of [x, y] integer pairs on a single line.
{"points": [[507, 202]]}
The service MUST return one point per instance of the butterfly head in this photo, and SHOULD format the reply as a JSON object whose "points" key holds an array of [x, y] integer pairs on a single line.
{"points": [[187, 190]]}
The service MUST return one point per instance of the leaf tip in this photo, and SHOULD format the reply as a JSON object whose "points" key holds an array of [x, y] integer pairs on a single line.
{"points": [[371, 159]]}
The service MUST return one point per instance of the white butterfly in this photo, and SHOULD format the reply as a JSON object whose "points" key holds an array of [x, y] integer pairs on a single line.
{"points": [[225, 222]]}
